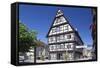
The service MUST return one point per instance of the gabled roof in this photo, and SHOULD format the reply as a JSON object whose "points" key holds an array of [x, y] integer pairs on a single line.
{"points": [[76, 32], [58, 12]]}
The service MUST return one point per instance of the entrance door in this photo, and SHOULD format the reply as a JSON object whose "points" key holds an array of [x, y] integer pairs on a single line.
{"points": [[59, 56]]}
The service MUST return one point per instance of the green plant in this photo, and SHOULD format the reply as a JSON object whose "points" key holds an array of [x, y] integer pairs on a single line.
{"points": [[26, 38]]}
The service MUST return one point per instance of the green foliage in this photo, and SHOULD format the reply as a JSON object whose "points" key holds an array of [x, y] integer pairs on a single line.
{"points": [[26, 38], [66, 56]]}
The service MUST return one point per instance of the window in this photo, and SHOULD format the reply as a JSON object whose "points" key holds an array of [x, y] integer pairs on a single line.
{"points": [[68, 46], [65, 27], [58, 38], [65, 45], [65, 37], [52, 47], [57, 46], [61, 37], [62, 46], [68, 36], [58, 29], [58, 20], [53, 30], [52, 39], [61, 28]]}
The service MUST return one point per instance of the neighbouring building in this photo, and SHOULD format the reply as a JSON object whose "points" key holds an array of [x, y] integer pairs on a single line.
{"points": [[63, 39], [42, 51]]}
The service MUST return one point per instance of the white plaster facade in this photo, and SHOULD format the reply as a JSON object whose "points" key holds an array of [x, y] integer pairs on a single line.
{"points": [[62, 39]]}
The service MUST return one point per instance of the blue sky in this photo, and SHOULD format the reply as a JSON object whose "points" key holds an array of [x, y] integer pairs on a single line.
{"points": [[40, 18]]}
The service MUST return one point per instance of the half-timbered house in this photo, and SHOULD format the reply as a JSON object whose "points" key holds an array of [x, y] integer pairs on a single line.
{"points": [[63, 39]]}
